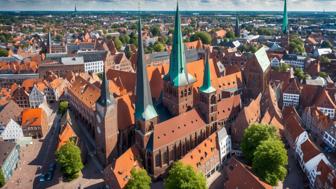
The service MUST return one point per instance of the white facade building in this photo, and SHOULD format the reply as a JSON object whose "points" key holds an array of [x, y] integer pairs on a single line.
{"points": [[36, 98], [328, 112], [290, 99], [12, 131], [94, 67], [224, 141], [329, 137]]}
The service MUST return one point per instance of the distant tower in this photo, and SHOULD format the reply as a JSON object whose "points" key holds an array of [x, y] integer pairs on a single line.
{"points": [[49, 42], [237, 27], [178, 83], [145, 114], [106, 131], [285, 31], [285, 19], [208, 99]]}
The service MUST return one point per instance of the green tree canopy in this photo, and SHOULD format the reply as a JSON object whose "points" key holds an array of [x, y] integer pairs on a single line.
{"points": [[184, 177], [296, 45], [69, 158], [323, 74], [327, 44], [325, 60], [63, 106], [230, 35], [270, 160], [298, 72], [155, 30], [3, 52], [118, 44], [125, 39], [253, 136], [2, 179], [158, 47], [139, 180], [284, 67], [204, 36]]}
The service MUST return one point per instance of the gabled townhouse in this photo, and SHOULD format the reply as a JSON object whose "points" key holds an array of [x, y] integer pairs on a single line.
{"points": [[21, 97], [248, 115], [117, 175], [329, 136], [240, 176], [275, 58], [326, 104], [34, 123], [205, 157], [10, 111], [12, 131], [316, 123], [225, 146], [55, 89], [325, 176], [9, 158], [291, 94], [36, 97], [309, 157]]}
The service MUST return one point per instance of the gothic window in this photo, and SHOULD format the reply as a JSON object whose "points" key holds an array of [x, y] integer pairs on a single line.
{"points": [[157, 160]]}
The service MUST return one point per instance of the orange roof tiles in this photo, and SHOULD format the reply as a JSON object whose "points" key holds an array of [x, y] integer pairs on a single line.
{"points": [[202, 152], [33, 117], [123, 166], [65, 135], [228, 106], [240, 177], [325, 100], [293, 127]]}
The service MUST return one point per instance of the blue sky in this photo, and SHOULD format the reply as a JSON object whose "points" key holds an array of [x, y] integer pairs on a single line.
{"points": [[234, 5]]}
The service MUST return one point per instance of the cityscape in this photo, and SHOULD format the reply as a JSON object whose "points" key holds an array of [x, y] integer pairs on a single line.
{"points": [[154, 94]]}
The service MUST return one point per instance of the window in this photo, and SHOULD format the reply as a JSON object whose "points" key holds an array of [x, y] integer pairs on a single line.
{"points": [[157, 160]]}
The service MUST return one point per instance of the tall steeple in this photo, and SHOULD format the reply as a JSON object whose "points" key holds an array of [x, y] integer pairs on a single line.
{"points": [[105, 97], [49, 42], [237, 27], [207, 87], [178, 73], [144, 109], [285, 19]]}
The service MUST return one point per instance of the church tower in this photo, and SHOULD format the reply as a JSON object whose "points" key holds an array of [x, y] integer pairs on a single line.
{"points": [[178, 83], [145, 114], [237, 27], [208, 99], [284, 28], [106, 132], [49, 42]]}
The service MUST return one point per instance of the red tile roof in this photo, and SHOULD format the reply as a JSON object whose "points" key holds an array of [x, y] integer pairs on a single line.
{"points": [[309, 150], [240, 177]]}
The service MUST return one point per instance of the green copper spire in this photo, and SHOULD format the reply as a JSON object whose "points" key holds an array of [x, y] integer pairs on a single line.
{"points": [[207, 87], [178, 73], [144, 108], [285, 19], [105, 97]]}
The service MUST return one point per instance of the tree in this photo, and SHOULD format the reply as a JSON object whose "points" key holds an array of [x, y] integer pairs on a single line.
{"points": [[230, 35], [325, 60], [139, 180], [125, 39], [204, 36], [284, 67], [2, 179], [298, 72], [296, 45], [270, 160], [69, 158], [323, 74], [184, 177], [63, 106], [253, 136], [3, 52], [327, 44], [158, 47], [155, 30], [118, 44]]}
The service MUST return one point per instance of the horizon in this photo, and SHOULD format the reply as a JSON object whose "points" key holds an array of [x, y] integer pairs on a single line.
{"points": [[162, 5]]}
